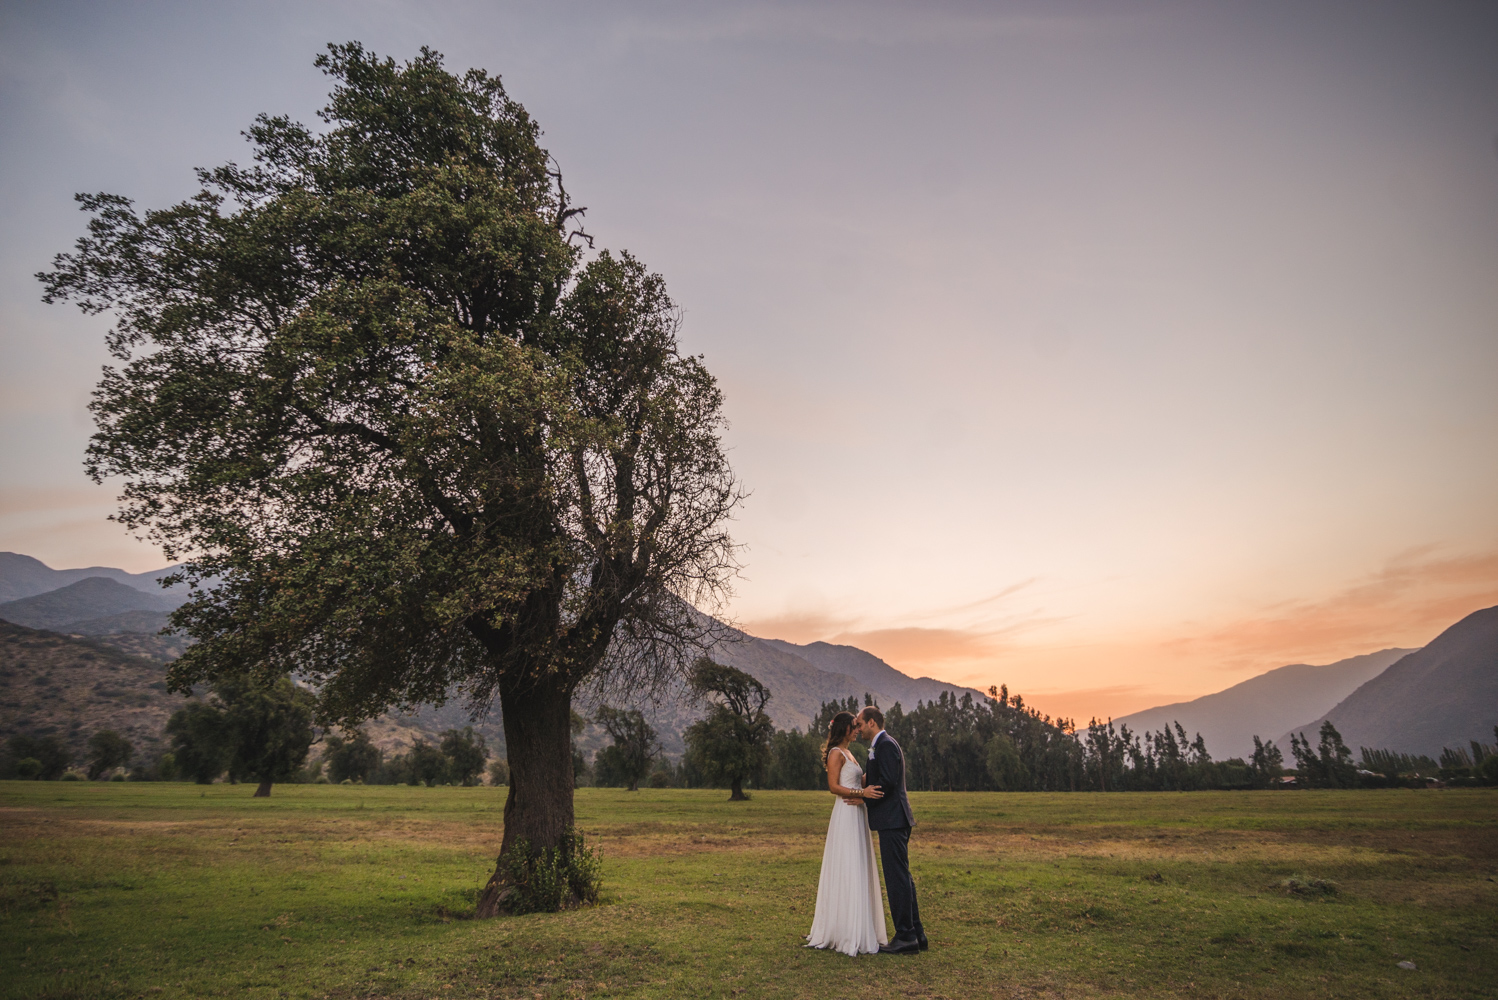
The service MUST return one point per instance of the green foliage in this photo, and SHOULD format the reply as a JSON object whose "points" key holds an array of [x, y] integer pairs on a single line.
{"points": [[252, 732], [628, 759], [369, 381], [352, 757], [1394, 766], [1267, 763], [731, 745], [269, 728], [107, 750], [466, 755], [1005, 769], [1303, 886], [795, 760], [428, 765], [1488, 769], [1000, 744], [550, 879], [28, 769], [200, 741], [51, 755], [1329, 764], [499, 772]]}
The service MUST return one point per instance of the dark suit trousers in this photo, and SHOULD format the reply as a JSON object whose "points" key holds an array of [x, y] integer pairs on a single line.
{"points": [[894, 852]]}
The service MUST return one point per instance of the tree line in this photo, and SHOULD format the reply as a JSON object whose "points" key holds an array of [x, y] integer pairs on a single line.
{"points": [[260, 735], [242, 733], [998, 743]]}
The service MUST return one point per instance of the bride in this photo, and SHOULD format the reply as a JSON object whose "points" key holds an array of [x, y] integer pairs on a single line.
{"points": [[850, 912]]}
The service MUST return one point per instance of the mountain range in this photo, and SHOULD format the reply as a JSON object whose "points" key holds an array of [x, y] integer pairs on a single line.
{"points": [[90, 605], [1413, 701], [22, 576], [1443, 695], [1263, 706]]}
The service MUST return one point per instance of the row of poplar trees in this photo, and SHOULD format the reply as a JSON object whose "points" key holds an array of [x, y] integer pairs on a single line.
{"points": [[996, 743]]}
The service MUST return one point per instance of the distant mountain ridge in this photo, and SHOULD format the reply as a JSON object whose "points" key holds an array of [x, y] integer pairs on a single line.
{"points": [[1263, 706], [23, 576], [88, 599], [124, 611], [1440, 696], [895, 685]]}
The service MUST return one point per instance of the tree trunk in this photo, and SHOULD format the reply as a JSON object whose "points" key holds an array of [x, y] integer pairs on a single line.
{"points": [[538, 808], [738, 791], [263, 792]]}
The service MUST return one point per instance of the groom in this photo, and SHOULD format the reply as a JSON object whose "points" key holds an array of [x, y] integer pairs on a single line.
{"points": [[891, 816]]}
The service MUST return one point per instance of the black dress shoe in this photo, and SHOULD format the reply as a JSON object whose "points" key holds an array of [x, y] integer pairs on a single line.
{"points": [[898, 947], [921, 941]]}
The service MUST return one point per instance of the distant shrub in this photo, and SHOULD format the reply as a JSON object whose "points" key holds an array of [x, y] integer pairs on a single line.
{"points": [[352, 757], [466, 754], [499, 772], [48, 750], [28, 769], [107, 750], [1488, 769], [1309, 886]]}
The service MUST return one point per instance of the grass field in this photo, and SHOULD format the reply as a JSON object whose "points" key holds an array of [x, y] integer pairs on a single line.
{"points": [[168, 890]]}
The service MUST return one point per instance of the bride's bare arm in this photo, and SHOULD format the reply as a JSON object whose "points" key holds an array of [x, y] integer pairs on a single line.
{"points": [[852, 796]]}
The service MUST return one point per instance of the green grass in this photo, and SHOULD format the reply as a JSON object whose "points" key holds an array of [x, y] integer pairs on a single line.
{"points": [[183, 891]]}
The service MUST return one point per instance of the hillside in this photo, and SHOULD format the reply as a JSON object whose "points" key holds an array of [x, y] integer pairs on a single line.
{"points": [[137, 622], [798, 690], [873, 673], [1264, 706], [22, 576], [54, 684], [65, 684], [120, 614], [1441, 696], [88, 599]]}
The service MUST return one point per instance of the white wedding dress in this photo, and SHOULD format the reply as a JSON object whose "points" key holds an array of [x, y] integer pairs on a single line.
{"points": [[850, 910]]}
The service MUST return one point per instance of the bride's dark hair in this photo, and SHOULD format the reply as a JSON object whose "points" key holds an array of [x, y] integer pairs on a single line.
{"points": [[837, 731]]}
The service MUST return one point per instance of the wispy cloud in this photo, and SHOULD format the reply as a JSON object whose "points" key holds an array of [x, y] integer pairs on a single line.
{"points": [[1411, 599], [1408, 602]]}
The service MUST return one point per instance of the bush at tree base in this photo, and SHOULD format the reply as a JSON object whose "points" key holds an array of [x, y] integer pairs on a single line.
{"points": [[552, 879]]}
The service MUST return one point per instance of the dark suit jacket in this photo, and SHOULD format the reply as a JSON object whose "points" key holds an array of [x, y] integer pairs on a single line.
{"points": [[887, 770]]}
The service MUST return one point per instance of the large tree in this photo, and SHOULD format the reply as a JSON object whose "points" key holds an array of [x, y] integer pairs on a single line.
{"points": [[107, 750], [351, 756], [370, 383], [269, 728], [634, 750], [732, 743]]}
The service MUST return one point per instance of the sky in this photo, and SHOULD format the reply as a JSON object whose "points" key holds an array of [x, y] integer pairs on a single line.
{"points": [[1115, 352]]}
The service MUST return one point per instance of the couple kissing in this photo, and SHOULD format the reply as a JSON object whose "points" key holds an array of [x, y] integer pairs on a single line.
{"points": [[850, 913]]}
